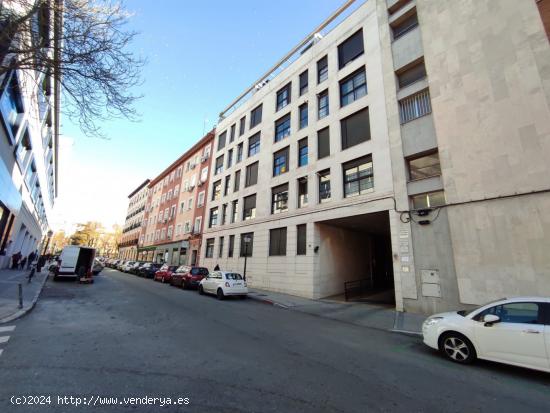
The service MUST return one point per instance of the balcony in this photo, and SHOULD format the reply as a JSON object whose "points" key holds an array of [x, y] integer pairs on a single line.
{"points": [[407, 48]]}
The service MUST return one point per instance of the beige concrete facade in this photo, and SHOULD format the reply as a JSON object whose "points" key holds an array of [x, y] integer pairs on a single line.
{"points": [[131, 230]]}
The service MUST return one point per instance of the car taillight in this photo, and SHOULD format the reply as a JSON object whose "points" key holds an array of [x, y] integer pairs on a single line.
{"points": [[227, 284]]}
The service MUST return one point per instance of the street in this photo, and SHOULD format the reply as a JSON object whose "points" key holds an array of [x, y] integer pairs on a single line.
{"points": [[126, 336]]}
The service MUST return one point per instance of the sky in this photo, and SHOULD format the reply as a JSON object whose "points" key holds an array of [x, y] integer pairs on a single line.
{"points": [[201, 55]]}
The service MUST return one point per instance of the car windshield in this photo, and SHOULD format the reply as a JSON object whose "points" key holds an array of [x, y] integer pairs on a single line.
{"points": [[199, 271], [465, 313], [233, 276]]}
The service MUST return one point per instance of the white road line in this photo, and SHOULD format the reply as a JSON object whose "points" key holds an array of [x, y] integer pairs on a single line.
{"points": [[4, 339], [6, 329], [1, 351]]}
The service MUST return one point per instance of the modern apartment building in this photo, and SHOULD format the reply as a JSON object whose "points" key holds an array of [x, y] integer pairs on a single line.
{"points": [[171, 231], [29, 131], [127, 249], [405, 145]]}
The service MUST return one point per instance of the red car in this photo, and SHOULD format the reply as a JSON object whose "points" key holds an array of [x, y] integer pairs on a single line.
{"points": [[165, 273], [187, 277]]}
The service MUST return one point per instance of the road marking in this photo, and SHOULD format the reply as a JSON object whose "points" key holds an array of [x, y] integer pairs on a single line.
{"points": [[4, 339], [6, 329], [1, 351]]}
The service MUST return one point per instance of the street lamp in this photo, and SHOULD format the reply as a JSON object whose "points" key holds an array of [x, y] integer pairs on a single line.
{"points": [[50, 233], [246, 240]]}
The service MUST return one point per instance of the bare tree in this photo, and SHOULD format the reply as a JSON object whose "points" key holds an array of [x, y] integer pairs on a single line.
{"points": [[84, 44]]}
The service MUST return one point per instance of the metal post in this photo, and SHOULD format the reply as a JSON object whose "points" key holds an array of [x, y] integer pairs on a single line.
{"points": [[20, 295]]}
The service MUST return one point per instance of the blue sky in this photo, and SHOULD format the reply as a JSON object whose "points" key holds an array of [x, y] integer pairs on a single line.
{"points": [[201, 55]]}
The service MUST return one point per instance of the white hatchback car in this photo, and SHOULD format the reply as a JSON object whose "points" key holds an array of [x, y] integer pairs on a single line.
{"points": [[223, 283], [513, 331]]}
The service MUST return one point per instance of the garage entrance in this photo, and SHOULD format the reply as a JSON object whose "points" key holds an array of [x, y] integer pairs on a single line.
{"points": [[356, 258]]}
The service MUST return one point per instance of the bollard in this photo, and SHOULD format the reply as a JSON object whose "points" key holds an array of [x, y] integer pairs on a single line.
{"points": [[20, 295]]}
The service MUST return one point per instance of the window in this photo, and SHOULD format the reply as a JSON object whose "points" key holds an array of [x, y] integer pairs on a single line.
{"points": [[249, 207], [213, 217], [231, 246], [302, 192], [324, 186], [169, 232], [247, 244], [358, 176], [404, 26], [216, 190], [226, 185], [234, 211], [187, 227], [517, 313], [282, 128], [23, 151], [232, 133], [30, 175], [323, 143], [355, 128], [303, 82], [220, 248], [424, 166], [322, 70], [221, 140], [251, 177], [277, 241], [198, 224], [224, 214], [353, 87], [200, 200], [412, 74], [254, 144], [239, 153], [429, 200], [301, 239], [415, 106], [280, 161], [229, 158], [255, 116], [303, 115], [302, 152], [209, 248], [283, 97], [242, 125], [350, 49], [190, 203], [279, 199], [11, 105], [219, 165], [322, 103], [237, 181]]}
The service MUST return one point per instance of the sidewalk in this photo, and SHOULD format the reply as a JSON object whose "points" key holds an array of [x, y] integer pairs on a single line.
{"points": [[362, 314], [9, 292]]}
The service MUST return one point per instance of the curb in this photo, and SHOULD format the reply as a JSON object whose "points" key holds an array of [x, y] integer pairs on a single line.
{"points": [[266, 301], [20, 313]]}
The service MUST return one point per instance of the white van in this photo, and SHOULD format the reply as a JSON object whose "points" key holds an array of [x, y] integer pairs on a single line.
{"points": [[73, 257]]}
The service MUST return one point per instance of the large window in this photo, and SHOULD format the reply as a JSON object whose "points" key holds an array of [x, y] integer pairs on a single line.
{"points": [[209, 248], [301, 239], [251, 177], [322, 70], [213, 221], [303, 115], [353, 87], [234, 211], [283, 96], [221, 140], [277, 241], [302, 152], [216, 190], [231, 246], [411, 74], [424, 166], [237, 181], [232, 133], [280, 162], [254, 144], [404, 26], [324, 186], [11, 105], [247, 244], [358, 176], [428, 200], [323, 143], [322, 103], [220, 248], [282, 128], [303, 82], [355, 128], [226, 185], [256, 116], [229, 158], [23, 150], [350, 49], [279, 199], [239, 153], [415, 106], [224, 214], [219, 165], [302, 192], [249, 207]]}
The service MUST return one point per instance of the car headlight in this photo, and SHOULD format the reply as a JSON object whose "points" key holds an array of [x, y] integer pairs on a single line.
{"points": [[431, 321]]}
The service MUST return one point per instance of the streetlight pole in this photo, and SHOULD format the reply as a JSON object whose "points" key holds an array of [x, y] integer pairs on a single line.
{"points": [[50, 233]]}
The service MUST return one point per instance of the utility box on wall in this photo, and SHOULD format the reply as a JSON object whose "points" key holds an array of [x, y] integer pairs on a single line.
{"points": [[431, 286]]}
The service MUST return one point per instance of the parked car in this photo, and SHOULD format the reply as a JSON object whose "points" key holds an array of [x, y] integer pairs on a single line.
{"points": [[127, 265], [148, 269], [97, 267], [223, 283], [132, 269], [513, 331], [120, 264], [113, 263], [75, 261], [164, 274], [188, 277]]}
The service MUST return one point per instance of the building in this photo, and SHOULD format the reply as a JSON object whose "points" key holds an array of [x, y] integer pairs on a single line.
{"points": [[29, 132], [399, 145], [171, 232], [127, 249]]}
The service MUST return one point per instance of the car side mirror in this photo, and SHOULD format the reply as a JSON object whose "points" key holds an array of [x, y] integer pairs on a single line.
{"points": [[490, 319]]}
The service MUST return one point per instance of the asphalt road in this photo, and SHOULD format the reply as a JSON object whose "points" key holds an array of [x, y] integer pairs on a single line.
{"points": [[126, 336]]}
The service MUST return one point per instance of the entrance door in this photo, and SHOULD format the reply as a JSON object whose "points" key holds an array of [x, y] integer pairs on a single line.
{"points": [[194, 257]]}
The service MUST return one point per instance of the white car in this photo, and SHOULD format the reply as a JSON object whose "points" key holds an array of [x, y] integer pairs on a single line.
{"points": [[126, 267], [513, 331], [223, 283]]}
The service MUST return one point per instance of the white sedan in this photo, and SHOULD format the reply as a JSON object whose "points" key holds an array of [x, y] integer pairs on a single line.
{"points": [[223, 283], [513, 331]]}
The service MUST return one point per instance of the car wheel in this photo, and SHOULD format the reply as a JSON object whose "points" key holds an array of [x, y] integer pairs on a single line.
{"points": [[219, 294], [456, 347], [201, 291]]}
